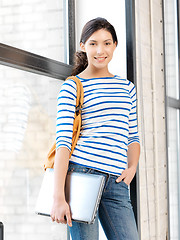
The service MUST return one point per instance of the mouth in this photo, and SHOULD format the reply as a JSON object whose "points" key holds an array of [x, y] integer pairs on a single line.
{"points": [[100, 59]]}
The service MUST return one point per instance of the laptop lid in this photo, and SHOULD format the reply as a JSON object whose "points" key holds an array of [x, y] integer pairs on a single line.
{"points": [[83, 193]]}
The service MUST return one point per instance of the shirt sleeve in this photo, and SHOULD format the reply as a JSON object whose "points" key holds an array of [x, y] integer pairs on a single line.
{"points": [[133, 128], [66, 104]]}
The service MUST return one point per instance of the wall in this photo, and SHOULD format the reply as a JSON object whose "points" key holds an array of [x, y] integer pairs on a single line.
{"points": [[151, 117]]}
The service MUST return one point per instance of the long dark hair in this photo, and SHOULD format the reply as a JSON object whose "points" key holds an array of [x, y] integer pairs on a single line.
{"points": [[80, 57]]}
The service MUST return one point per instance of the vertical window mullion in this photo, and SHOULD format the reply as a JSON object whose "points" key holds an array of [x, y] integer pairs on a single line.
{"points": [[71, 28], [178, 34]]}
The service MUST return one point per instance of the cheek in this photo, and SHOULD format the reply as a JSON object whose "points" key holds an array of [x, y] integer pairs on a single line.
{"points": [[91, 54], [110, 51]]}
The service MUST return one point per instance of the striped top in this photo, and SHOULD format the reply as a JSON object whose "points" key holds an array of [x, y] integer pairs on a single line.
{"points": [[109, 122]]}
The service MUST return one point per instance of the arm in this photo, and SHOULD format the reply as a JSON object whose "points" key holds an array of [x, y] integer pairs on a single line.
{"points": [[60, 171], [66, 103], [133, 151], [60, 210], [133, 154]]}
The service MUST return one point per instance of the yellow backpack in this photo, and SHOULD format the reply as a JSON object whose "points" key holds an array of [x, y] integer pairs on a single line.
{"points": [[49, 162]]}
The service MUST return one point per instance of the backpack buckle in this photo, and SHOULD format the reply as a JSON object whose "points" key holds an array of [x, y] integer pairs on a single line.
{"points": [[78, 109]]}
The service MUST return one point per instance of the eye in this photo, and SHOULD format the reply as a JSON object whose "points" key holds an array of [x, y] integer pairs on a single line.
{"points": [[92, 44], [108, 43]]}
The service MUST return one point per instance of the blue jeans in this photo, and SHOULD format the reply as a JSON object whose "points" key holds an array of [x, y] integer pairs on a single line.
{"points": [[115, 211]]}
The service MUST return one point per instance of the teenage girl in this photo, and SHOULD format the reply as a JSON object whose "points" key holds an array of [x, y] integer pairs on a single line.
{"points": [[108, 142]]}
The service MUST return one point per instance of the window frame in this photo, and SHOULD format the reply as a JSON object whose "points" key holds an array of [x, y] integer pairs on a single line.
{"points": [[30, 62], [131, 75], [174, 103]]}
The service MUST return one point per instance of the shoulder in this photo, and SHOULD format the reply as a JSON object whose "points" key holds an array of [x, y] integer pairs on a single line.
{"points": [[127, 83], [68, 89], [132, 89], [69, 85], [131, 86]]}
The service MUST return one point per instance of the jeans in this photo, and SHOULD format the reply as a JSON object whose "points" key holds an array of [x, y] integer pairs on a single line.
{"points": [[115, 211]]}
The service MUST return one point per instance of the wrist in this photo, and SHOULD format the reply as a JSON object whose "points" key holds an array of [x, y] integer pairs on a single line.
{"points": [[133, 167], [59, 198]]}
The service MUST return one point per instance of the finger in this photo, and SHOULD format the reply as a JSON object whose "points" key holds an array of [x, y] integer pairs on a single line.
{"points": [[120, 178], [52, 218], [127, 183], [63, 220], [58, 221], [68, 217], [127, 180]]}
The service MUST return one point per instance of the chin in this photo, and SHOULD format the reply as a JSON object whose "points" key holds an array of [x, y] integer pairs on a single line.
{"points": [[101, 65]]}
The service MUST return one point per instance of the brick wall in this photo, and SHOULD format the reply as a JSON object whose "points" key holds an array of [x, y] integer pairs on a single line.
{"points": [[151, 117]]}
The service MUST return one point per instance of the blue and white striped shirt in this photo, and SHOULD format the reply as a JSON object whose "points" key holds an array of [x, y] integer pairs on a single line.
{"points": [[109, 122]]}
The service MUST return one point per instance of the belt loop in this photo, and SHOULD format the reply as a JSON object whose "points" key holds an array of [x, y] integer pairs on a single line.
{"points": [[107, 179]]}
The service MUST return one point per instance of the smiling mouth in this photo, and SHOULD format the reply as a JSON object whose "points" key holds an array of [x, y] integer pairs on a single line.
{"points": [[100, 59]]}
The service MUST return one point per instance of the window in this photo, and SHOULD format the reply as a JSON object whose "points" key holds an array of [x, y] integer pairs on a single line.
{"points": [[172, 43], [35, 26], [32, 70], [28, 110]]}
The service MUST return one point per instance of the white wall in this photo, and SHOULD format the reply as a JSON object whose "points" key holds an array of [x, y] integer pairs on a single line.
{"points": [[114, 12], [151, 120]]}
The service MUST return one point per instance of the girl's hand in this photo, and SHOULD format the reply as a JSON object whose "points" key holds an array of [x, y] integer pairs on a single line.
{"points": [[127, 175], [61, 213]]}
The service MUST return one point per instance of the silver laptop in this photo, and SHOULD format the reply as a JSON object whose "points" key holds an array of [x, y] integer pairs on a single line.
{"points": [[83, 193]]}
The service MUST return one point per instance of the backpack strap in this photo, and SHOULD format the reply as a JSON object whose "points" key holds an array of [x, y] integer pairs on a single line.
{"points": [[49, 162], [80, 92]]}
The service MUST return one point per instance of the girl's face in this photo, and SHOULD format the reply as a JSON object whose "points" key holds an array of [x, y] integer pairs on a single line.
{"points": [[99, 48]]}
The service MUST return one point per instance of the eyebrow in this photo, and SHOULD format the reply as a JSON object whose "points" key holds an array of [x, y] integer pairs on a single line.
{"points": [[104, 40]]}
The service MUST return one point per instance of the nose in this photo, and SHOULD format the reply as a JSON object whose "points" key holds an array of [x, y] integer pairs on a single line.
{"points": [[100, 49]]}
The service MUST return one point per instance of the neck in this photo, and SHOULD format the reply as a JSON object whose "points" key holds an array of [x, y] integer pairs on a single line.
{"points": [[92, 73]]}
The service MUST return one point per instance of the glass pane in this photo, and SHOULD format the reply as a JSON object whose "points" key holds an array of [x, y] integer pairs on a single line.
{"points": [[173, 166], [35, 26], [27, 130], [171, 48]]}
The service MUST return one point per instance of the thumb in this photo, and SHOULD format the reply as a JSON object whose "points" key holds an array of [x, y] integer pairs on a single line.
{"points": [[120, 178]]}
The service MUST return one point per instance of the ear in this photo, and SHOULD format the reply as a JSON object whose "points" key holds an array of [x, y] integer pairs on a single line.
{"points": [[82, 46], [115, 45]]}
